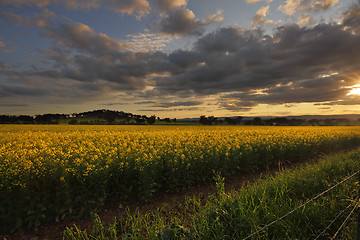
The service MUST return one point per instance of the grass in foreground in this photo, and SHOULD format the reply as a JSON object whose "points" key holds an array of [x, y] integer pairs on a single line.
{"points": [[236, 214]]}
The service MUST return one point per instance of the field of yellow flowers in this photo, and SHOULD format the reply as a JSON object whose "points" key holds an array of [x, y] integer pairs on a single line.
{"points": [[51, 173]]}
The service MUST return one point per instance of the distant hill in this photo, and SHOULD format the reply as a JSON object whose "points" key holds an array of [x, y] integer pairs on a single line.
{"points": [[305, 117], [102, 116]]}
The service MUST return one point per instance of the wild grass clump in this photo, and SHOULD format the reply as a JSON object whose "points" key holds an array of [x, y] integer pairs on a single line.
{"points": [[241, 212]]}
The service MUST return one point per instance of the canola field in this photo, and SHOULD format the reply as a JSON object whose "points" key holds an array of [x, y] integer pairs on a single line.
{"points": [[52, 173]]}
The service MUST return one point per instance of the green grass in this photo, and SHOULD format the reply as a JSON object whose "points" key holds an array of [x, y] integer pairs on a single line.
{"points": [[236, 214]]}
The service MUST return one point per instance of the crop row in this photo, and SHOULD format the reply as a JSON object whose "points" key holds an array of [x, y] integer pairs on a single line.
{"points": [[273, 201], [49, 173]]}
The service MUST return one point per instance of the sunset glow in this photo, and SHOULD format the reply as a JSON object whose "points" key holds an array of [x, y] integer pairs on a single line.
{"points": [[355, 90], [180, 58]]}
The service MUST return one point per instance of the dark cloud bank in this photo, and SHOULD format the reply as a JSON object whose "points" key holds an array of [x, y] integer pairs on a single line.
{"points": [[243, 68]]}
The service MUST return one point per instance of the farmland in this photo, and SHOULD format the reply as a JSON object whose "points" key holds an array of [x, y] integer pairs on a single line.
{"points": [[52, 173], [286, 205]]}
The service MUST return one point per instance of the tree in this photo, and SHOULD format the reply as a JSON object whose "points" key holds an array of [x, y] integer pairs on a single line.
{"points": [[167, 120], [208, 120], [257, 121], [151, 120]]}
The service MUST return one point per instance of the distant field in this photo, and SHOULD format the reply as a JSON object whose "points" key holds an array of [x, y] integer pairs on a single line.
{"points": [[51, 173]]}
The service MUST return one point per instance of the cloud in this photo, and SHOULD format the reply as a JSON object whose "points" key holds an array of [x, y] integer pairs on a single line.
{"points": [[292, 6], [145, 102], [182, 21], [167, 5], [176, 19], [260, 15], [171, 109], [238, 69], [59, 56], [39, 20], [304, 19], [38, 3], [216, 17], [148, 42], [114, 104], [77, 36], [352, 19], [297, 64], [82, 37], [255, 1], [139, 8], [128, 70], [13, 105], [291, 93], [11, 90], [227, 39], [177, 104]]}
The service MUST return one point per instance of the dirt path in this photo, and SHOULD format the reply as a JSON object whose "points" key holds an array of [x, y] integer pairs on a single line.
{"points": [[108, 215]]}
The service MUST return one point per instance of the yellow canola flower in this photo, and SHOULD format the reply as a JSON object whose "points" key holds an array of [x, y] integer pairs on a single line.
{"points": [[75, 150]]}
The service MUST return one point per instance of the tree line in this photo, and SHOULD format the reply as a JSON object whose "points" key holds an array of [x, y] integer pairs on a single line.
{"points": [[277, 121], [103, 116], [92, 117]]}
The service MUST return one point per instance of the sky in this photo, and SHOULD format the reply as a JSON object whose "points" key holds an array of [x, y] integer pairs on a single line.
{"points": [[180, 58]]}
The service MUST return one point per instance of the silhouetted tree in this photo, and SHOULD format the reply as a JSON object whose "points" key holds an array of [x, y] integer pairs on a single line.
{"points": [[257, 121], [167, 120], [151, 120], [208, 120], [73, 122]]}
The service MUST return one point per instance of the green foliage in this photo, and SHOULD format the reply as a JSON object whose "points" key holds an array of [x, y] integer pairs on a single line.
{"points": [[236, 214], [99, 231]]}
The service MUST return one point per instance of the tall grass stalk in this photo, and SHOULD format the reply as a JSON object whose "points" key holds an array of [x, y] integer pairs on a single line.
{"points": [[240, 212]]}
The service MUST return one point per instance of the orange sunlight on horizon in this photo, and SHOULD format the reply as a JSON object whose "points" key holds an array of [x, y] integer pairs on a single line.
{"points": [[355, 90]]}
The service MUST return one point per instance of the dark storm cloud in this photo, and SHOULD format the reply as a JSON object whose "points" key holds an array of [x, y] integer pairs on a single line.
{"points": [[316, 90], [183, 21], [82, 37], [184, 59], [177, 104], [176, 19], [59, 56], [352, 19], [114, 104], [346, 100], [131, 71], [144, 102], [76, 36], [13, 105], [171, 109], [9, 90], [296, 64], [245, 67], [234, 59]]}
